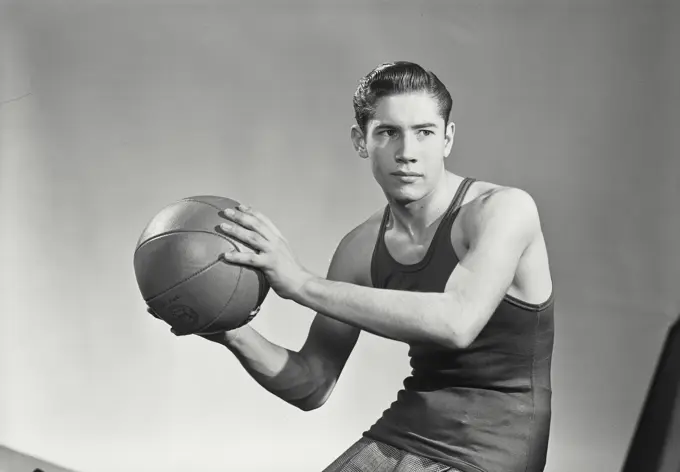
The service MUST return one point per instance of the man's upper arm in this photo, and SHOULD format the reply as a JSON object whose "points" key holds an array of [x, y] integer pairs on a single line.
{"points": [[330, 342], [501, 227]]}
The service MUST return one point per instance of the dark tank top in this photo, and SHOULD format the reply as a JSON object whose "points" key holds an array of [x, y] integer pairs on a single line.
{"points": [[484, 408]]}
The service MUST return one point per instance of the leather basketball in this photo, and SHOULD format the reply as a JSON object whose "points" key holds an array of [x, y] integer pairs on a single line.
{"points": [[182, 277]]}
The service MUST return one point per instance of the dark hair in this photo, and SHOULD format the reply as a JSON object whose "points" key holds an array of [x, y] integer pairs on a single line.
{"points": [[394, 78]]}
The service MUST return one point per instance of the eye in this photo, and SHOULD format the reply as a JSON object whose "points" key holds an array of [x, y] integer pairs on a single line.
{"points": [[388, 132], [426, 132]]}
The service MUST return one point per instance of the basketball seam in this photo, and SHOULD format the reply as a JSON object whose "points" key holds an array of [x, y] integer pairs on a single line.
{"points": [[182, 281], [201, 201], [240, 274], [177, 231], [224, 307], [262, 282]]}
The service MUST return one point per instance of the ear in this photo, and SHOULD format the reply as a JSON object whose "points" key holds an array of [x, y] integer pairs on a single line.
{"points": [[359, 141], [448, 138]]}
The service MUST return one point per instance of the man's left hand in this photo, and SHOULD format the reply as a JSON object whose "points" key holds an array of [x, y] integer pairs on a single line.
{"points": [[273, 255]]}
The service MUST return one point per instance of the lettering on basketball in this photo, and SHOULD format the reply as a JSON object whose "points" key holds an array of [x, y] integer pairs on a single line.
{"points": [[183, 314]]}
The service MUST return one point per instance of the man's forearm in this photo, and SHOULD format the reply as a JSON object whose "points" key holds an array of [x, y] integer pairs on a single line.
{"points": [[283, 372], [395, 314]]}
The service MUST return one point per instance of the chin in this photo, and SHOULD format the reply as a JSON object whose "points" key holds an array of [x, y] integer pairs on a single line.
{"points": [[405, 194]]}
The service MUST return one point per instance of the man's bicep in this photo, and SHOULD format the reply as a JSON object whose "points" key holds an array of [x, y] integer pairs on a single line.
{"points": [[503, 228]]}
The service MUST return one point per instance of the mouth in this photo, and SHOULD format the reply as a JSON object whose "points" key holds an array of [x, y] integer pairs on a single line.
{"points": [[407, 177]]}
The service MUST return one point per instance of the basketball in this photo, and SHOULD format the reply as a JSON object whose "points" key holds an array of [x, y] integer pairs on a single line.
{"points": [[182, 277]]}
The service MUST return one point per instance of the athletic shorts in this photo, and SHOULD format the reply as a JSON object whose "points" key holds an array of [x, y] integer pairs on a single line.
{"points": [[367, 455]]}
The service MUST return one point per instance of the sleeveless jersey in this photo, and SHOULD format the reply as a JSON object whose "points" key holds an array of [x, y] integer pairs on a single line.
{"points": [[484, 408]]}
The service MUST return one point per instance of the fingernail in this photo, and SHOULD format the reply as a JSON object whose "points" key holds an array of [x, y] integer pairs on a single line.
{"points": [[243, 207]]}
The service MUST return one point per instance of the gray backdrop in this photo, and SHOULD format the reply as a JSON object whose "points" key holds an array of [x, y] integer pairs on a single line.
{"points": [[109, 112]]}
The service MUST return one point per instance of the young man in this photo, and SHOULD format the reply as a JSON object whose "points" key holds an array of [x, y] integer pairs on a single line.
{"points": [[456, 268]]}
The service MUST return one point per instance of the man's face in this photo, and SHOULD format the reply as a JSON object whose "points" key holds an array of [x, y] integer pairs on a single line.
{"points": [[406, 142]]}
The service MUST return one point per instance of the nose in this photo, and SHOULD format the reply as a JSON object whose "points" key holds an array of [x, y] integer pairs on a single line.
{"points": [[406, 152]]}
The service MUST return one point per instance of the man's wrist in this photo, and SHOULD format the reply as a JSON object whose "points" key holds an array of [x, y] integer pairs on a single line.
{"points": [[303, 294], [231, 338]]}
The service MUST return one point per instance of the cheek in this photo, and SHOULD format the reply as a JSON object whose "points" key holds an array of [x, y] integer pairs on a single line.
{"points": [[436, 146], [437, 149], [381, 158], [378, 167]]}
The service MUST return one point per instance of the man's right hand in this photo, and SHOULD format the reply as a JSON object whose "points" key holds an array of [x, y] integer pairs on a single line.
{"points": [[224, 338]]}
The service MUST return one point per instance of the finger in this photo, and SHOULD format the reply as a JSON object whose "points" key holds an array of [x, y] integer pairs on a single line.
{"points": [[268, 223], [247, 218], [150, 310], [243, 258], [250, 238]]}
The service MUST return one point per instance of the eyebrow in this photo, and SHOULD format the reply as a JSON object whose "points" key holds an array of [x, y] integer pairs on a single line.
{"points": [[418, 126]]}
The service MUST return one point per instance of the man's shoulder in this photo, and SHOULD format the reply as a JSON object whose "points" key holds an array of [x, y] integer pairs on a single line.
{"points": [[355, 251], [490, 197], [361, 240], [501, 206], [365, 232]]}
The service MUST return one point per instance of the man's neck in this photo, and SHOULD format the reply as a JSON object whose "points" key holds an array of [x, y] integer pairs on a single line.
{"points": [[417, 218]]}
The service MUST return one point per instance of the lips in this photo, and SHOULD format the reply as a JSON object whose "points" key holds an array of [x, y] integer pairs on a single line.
{"points": [[406, 174]]}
